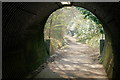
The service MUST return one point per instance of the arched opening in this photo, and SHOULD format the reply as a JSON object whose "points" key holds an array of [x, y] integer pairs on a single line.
{"points": [[88, 18], [55, 39]]}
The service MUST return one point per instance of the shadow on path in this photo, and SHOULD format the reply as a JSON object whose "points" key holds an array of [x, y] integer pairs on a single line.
{"points": [[76, 61]]}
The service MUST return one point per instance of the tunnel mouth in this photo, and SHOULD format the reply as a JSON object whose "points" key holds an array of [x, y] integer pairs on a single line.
{"points": [[86, 14], [74, 36]]}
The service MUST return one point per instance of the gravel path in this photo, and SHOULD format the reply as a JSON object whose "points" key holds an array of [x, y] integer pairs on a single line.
{"points": [[76, 61]]}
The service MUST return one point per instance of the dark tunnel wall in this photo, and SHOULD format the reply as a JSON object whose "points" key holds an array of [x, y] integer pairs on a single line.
{"points": [[23, 39]]}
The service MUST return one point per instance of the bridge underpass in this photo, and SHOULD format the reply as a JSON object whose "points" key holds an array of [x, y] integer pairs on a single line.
{"points": [[23, 39]]}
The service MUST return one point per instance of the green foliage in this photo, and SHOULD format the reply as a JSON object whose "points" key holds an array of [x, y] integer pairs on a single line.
{"points": [[89, 15], [74, 21], [53, 29]]}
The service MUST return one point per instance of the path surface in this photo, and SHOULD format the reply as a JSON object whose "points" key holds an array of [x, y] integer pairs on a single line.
{"points": [[76, 61]]}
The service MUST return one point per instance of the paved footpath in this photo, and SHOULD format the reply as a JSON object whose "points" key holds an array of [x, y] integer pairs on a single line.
{"points": [[78, 61]]}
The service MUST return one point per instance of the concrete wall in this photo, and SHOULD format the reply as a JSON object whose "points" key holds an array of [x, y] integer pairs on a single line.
{"points": [[23, 39]]}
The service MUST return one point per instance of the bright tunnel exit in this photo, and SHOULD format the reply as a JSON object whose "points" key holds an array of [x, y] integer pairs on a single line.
{"points": [[73, 35], [76, 22]]}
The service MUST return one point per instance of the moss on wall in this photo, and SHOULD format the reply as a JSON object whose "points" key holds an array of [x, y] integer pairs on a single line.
{"points": [[108, 59], [24, 61], [36, 51]]}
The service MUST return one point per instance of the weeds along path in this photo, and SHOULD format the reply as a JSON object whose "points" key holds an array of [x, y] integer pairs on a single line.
{"points": [[76, 61]]}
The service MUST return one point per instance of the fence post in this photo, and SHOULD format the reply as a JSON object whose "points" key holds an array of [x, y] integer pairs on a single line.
{"points": [[47, 42], [102, 42]]}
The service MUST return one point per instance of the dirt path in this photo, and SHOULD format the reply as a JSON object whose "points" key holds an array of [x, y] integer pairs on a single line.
{"points": [[76, 61]]}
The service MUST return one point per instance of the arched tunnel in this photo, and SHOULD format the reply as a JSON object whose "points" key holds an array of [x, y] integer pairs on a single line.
{"points": [[23, 48]]}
